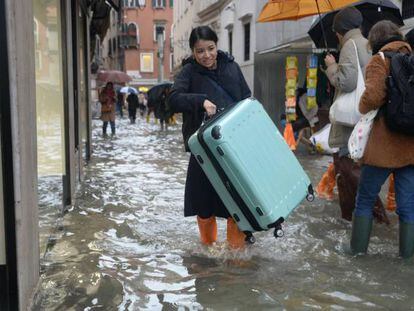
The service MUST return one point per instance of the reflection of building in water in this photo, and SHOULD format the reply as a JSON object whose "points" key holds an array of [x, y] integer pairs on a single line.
{"points": [[45, 124]]}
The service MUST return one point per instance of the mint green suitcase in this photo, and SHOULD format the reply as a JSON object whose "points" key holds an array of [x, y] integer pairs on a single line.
{"points": [[253, 170]]}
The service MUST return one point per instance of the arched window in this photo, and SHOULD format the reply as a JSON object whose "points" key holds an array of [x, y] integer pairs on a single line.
{"points": [[133, 34]]}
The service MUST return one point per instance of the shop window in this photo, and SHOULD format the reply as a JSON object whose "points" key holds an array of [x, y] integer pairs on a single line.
{"points": [[159, 4], [147, 62], [246, 41]]}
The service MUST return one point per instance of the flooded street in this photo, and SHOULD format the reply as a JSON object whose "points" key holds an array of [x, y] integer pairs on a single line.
{"points": [[125, 245]]}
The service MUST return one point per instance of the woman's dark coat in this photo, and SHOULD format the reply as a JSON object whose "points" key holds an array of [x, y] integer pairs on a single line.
{"points": [[192, 86]]}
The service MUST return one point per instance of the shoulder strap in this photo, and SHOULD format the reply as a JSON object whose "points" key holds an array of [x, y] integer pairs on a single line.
{"points": [[222, 90], [357, 56]]}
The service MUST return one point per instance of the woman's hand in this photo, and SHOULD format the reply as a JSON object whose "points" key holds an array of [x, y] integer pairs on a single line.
{"points": [[209, 107], [329, 60]]}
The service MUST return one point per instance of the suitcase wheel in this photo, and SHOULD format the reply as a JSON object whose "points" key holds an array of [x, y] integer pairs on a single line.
{"points": [[311, 194], [310, 197], [278, 233], [250, 238]]}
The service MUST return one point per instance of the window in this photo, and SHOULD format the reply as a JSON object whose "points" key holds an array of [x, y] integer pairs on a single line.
{"points": [[109, 47], [171, 3], [159, 4], [171, 62], [231, 41], [246, 41], [114, 45], [134, 3], [147, 63], [159, 29], [132, 35]]}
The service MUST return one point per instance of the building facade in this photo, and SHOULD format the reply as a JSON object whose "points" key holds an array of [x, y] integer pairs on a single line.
{"points": [[146, 30]]}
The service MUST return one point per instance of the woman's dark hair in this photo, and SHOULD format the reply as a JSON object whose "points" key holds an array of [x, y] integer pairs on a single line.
{"points": [[383, 33], [202, 33]]}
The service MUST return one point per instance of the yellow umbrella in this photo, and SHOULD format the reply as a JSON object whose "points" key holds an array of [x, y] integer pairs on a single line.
{"points": [[278, 10], [143, 89]]}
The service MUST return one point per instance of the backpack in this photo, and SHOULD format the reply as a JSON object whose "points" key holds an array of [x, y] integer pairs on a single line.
{"points": [[399, 109]]}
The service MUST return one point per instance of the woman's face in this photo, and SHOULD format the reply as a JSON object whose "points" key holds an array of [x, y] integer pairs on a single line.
{"points": [[205, 53]]}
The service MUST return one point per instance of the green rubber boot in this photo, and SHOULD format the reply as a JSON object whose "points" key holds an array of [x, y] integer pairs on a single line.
{"points": [[406, 240], [361, 231]]}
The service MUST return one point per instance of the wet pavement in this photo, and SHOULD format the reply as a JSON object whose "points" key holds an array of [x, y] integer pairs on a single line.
{"points": [[125, 245]]}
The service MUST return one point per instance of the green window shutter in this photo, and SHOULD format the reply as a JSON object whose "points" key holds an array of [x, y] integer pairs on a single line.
{"points": [[171, 3]]}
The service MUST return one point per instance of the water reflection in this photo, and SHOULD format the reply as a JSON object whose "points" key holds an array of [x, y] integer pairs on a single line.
{"points": [[126, 245]]}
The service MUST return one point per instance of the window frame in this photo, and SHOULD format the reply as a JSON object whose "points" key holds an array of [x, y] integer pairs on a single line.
{"points": [[159, 24], [141, 62], [247, 40]]}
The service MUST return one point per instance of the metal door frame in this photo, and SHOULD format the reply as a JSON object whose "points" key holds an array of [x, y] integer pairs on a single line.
{"points": [[8, 273]]}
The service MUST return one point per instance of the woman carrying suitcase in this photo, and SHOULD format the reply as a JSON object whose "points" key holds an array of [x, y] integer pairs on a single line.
{"points": [[209, 80]]}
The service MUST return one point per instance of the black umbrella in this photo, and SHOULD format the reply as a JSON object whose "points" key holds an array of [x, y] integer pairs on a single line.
{"points": [[372, 12], [154, 94]]}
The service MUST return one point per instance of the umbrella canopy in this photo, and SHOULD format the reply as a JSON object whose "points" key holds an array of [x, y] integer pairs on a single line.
{"points": [[113, 76], [128, 89], [143, 89], [154, 94], [278, 10], [372, 12]]}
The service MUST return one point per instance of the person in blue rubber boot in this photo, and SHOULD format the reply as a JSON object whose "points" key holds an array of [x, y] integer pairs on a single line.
{"points": [[387, 151]]}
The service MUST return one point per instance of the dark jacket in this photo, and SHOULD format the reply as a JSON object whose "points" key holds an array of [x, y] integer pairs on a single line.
{"points": [[193, 85], [132, 100]]}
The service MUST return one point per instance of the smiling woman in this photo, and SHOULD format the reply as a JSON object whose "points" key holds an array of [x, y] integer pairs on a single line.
{"points": [[210, 80]]}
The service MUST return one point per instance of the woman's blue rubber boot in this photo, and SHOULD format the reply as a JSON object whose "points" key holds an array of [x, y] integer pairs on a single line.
{"points": [[406, 240], [361, 232]]}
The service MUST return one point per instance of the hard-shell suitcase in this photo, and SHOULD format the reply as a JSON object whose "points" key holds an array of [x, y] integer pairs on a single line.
{"points": [[254, 172]]}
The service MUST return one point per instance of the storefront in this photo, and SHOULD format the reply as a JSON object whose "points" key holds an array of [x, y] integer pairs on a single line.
{"points": [[270, 73], [45, 130]]}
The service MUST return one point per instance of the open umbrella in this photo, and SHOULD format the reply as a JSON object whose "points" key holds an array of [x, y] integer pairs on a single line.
{"points": [[278, 10], [372, 12], [154, 93], [128, 89], [113, 76], [143, 89]]}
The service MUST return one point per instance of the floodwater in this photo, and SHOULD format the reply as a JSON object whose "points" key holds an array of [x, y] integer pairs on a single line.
{"points": [[125, 245]]}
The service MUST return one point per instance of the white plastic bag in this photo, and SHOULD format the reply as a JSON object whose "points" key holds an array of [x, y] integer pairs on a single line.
{"points": [[320, 140], [359, 136], [345, 109]]}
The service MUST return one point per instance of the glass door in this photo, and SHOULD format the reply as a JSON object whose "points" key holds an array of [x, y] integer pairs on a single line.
{"points": [[51, 168]]}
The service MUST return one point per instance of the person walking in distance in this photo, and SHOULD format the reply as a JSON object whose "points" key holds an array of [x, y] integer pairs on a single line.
{"points": [[108, 99]]}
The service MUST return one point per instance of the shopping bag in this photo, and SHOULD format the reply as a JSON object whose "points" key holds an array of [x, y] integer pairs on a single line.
{"points": [[360, 134], [345, 109], [320, 140]]}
